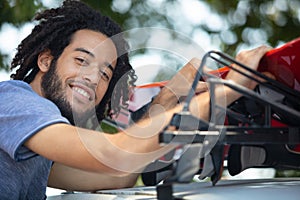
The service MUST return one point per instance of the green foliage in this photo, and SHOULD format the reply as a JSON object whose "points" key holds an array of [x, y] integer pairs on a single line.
{"points": [[18, 11], [266, 21], [105, 7]]}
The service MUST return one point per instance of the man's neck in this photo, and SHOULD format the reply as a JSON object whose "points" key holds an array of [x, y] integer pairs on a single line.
{"points": [[36, 84]]}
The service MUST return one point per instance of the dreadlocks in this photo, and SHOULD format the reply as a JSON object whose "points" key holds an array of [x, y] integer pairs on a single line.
{"points": [[54, 32]]}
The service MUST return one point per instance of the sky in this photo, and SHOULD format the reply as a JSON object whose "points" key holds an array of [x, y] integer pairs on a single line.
{"points": [[10, 37]]}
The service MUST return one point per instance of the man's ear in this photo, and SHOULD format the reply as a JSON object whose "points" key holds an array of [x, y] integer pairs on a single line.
{"points": [[44, 60]]}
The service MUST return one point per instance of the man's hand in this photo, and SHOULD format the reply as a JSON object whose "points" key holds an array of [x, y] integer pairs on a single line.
{"points": [[181, 83], [178, 87], [251, 59]]}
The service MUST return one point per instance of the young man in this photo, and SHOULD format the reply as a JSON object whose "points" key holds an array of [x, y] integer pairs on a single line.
{"points": [[66, 73]]}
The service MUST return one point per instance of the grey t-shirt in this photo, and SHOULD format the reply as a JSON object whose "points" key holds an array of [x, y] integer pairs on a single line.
{"points": [[23, 173]]}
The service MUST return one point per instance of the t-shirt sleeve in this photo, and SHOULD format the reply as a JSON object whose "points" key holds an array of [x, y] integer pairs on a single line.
{"points": [[22, 114]]}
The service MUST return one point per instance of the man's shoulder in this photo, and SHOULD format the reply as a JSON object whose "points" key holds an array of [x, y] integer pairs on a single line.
{"points": [[14, 85], [16, 92]]}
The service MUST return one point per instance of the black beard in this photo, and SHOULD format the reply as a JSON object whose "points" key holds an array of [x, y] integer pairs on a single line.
{"points": [[52, 89]]}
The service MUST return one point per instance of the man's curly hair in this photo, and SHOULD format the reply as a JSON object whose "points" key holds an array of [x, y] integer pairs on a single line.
{"points": [[54, 32]]}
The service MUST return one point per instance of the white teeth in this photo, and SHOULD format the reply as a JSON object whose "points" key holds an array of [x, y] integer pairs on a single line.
{"points": [[82, 92]]}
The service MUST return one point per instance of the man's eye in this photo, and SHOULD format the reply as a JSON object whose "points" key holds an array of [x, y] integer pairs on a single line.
{"points": [[104, 75], [81, 61]]}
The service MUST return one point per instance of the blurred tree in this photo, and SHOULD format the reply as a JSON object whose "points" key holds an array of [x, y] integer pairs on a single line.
{"points": [[16, 12], [260, 21], [228, 25]]}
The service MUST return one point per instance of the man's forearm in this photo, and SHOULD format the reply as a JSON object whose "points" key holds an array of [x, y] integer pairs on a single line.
{"points": [[71, 179], [165, 100]]}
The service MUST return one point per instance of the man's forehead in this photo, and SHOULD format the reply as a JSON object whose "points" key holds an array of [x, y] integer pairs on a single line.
{"points": [[93, 38]]}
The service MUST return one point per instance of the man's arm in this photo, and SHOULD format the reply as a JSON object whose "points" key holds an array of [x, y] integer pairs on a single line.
{"points": [[128, 151], [72, 179]]}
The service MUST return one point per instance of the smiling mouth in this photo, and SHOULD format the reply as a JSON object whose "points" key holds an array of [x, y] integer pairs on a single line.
{"points": [[82, 92]]}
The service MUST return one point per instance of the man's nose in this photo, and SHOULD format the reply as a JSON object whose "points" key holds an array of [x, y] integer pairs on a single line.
{"points": [[91, 74]]}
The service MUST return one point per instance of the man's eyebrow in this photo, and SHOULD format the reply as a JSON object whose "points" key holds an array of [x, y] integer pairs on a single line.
{"points": [[85, 51]]}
